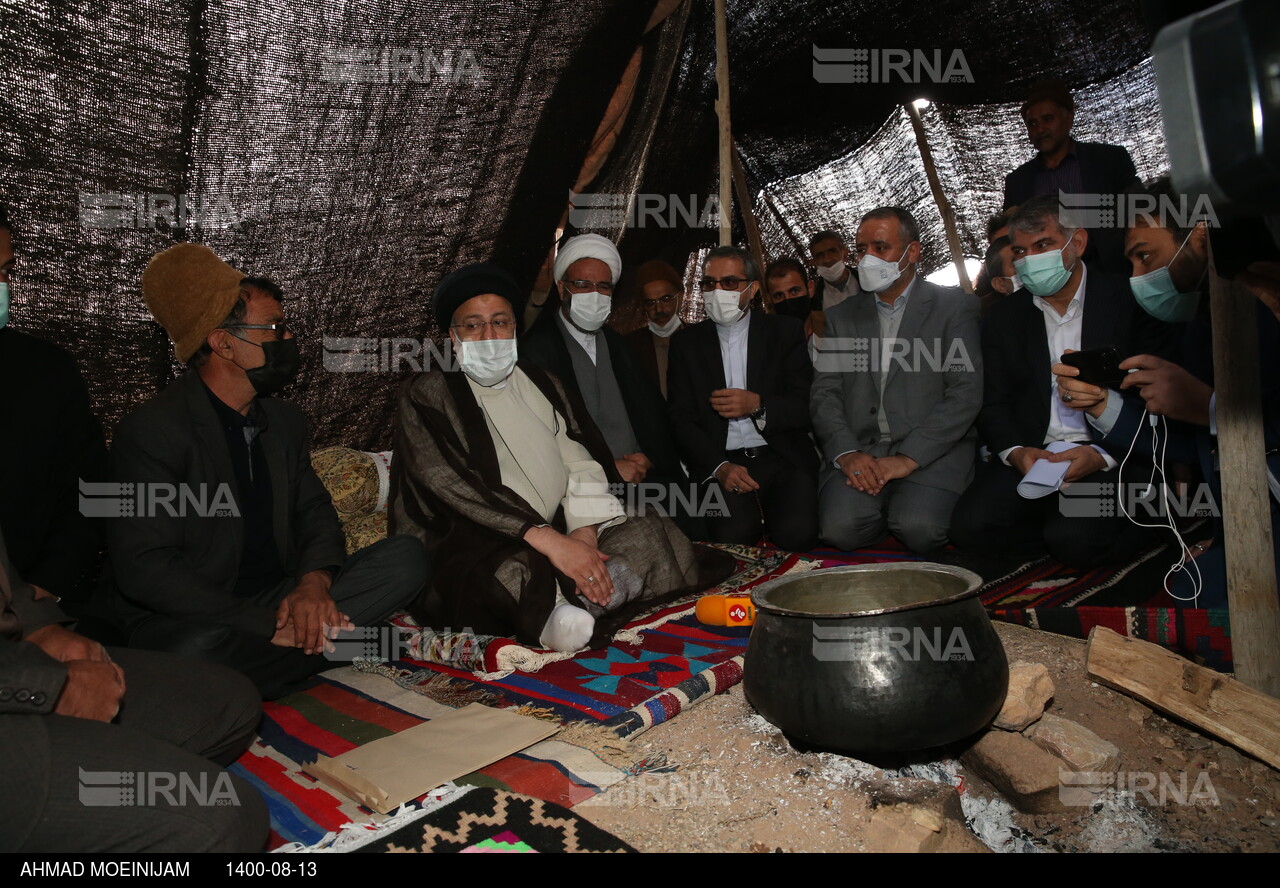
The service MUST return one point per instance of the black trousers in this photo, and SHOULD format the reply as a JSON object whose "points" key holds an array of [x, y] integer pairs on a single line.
{"points": [[992, 518], [785, 506], [373, 584], [151, 780]]}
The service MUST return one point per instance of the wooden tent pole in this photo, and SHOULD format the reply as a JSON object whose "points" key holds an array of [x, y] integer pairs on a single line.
{"points": [[748, 214], [726, 137], [1246, 530], [944, 206]]}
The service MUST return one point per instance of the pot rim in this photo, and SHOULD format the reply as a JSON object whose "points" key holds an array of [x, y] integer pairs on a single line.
{"points": [[973, 581]]}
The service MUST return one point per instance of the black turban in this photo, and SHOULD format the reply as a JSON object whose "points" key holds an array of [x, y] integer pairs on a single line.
{"points": [[471, 281]]}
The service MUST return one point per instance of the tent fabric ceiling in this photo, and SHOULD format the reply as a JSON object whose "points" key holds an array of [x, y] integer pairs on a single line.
{"points": [[972, 148], [359, 195]]}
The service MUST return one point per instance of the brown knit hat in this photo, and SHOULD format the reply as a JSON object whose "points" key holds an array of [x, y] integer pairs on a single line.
{"points": [[190, 291]]}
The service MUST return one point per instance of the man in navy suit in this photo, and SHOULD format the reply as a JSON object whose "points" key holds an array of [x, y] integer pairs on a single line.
{"points": [[738, 387], [1064, 165], [1065, 305]]}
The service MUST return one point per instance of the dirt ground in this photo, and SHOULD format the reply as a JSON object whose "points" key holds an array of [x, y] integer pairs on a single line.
{"points": [[732, 782]]}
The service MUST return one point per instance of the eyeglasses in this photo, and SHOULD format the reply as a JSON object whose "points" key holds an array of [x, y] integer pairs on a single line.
{"points": [[281, 329], [727, 283], [605, 287], [475, 329]]}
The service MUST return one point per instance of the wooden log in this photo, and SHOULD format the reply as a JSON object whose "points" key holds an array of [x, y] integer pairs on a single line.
{"points": [[939, 197], [726, 132], [1246, 530], [1217, 704]]}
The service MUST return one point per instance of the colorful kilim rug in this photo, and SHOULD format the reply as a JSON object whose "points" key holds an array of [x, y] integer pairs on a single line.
{"points": [[347, 709], [490, 821], [1045, 594], [651, 657]]}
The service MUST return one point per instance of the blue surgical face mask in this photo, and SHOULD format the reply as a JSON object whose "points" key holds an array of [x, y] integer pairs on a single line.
{"points": [[4, 304], [1160, 298], [1044, 273]]}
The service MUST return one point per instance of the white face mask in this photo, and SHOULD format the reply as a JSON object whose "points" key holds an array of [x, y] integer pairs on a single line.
{"points": [[665, 330], [487, 361], [722, 307], [832, 273], [589, 311], [876, 274]]}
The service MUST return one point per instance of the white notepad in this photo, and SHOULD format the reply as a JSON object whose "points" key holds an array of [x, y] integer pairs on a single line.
{"points": [[1045, 477]]}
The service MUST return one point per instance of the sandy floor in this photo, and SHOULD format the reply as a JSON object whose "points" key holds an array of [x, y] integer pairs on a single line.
{"points": [[736, 784]]}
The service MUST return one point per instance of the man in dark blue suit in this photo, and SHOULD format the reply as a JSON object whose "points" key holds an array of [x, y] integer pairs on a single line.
{"points": [[1062, 164], [1065, 304]]}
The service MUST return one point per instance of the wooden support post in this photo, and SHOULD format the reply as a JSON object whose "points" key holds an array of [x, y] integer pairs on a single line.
{"points": [[754, 242], [726, 137], [1246, 527], [944, 205]]}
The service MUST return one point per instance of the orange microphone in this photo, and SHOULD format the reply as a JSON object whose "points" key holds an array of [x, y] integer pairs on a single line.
{"points": [[726, 610]]}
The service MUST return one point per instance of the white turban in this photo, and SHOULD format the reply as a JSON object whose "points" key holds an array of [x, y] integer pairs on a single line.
{"points": [[587, 246]]}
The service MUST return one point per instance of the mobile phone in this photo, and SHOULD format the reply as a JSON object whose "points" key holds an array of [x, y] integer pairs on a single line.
{"points": [[1097, 366]]}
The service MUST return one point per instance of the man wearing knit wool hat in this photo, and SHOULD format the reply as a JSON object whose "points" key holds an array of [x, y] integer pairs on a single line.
{"points": [[245, 564]]}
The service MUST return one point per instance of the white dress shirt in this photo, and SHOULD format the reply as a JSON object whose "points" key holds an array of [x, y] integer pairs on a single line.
{"points": [[834, 294], [1062, 332], [733, 352]]}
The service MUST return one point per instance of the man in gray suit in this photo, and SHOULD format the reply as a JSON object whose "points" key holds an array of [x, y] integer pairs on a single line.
{"points": [[897, 389], [116, 750]]}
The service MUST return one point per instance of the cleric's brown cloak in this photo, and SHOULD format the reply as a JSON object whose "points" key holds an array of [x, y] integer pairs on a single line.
{"points": [[446, 489]]}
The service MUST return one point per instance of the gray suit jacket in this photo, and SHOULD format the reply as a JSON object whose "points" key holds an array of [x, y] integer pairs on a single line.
{"points": [[933, 391], [26, 672], [185, 566]]}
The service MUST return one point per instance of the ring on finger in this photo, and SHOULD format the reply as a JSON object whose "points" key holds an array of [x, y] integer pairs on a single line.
{"points": [[1066, 398]]}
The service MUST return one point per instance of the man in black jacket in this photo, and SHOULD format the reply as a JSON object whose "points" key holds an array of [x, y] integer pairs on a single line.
{"points": [[739, 406], [56, 442], [245, 564], [1065, 305], [1064, 165]]}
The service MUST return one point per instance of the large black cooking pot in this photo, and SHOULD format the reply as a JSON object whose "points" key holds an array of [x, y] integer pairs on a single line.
{"points": [[875, 658]]}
